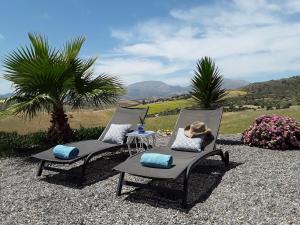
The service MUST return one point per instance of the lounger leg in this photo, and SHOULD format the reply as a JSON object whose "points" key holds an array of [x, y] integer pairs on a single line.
{"points": [[40, 169], [86, 161], [225, 157], [120, 184], [185, 190]]}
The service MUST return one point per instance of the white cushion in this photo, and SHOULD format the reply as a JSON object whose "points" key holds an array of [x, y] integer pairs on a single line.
{"points": [[184, 143], [116, 133]]}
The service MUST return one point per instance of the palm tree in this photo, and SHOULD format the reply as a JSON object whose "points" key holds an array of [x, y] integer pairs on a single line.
{"points": [[46, 79], [207, 84]]}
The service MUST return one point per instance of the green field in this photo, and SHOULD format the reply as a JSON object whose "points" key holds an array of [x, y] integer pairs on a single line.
{"points": [[232, 122], [237, 122], [77, 119], [5, 113], [235, 93], [159, 107]]}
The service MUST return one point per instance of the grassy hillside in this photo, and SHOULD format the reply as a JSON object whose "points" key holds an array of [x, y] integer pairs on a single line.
{"points": [[159, 107], [288, 87], [270, 94], [232, 122], [274, 93]]}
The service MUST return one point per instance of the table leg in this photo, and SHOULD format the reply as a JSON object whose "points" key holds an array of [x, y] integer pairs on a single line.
{"points": [[136, 142], [148, 143], [142, 143], [154, 140], [129, 140]]}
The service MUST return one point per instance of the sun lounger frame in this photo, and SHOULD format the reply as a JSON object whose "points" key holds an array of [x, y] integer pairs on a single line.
{"points": [[186, 173], [46, 164]]}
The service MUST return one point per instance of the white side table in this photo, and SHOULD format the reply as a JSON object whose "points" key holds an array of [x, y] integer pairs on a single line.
{"points": [[144, 139]]}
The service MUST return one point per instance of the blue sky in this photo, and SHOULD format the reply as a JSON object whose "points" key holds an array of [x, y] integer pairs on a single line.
{"points": [[161, 40]]}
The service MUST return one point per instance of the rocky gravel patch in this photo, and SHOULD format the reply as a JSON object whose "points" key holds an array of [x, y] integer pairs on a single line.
{"points": [[260, 187]]}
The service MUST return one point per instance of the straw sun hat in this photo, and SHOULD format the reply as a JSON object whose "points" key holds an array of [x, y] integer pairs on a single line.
{"points": [[196, 129]]}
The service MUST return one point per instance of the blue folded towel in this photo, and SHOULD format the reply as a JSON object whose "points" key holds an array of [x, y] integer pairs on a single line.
{"points": [[65, 152], [156, 160]]}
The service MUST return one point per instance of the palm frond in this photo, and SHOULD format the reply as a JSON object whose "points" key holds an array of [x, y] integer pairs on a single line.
{"points": [[72, 48], [28, 105], [100, 91]]}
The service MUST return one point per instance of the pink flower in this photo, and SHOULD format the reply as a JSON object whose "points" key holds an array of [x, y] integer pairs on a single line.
{"points": [[273, 132]]}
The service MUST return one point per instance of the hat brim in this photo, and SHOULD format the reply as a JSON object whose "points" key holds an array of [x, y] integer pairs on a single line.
{"points": [[191, 134]]}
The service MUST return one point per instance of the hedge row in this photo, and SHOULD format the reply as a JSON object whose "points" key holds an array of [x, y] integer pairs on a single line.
{"points": [[16, 144]]}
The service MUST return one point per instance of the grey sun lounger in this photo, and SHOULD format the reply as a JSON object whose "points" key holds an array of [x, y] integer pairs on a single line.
{"points": [[183, 162], [90, 148]]}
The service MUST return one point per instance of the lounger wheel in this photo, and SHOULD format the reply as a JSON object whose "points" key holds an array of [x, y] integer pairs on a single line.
{"points": [[226, 158]]}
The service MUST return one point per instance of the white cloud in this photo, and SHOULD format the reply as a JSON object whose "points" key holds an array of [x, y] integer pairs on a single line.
{"points": [[292, 6], [5, 86], [247, 38], [135, 69], [179, 80]]}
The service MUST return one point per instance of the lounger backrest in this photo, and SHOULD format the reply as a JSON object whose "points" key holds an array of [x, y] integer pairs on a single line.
{"points": [[124, 115], [212, 118]]}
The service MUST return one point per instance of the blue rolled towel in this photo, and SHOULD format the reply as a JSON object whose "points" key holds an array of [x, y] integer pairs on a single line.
{"points": [[65, 152], [156, 160]]}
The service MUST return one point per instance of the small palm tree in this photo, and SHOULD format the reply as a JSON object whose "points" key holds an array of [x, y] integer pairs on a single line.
{"points": [[207, 84], [46, 79]]}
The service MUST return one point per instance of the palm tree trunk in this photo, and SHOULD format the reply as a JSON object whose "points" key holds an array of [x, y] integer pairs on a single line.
{"points": [[59, 131]]}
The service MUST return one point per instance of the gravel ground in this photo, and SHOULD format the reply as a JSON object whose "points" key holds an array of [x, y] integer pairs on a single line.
{"points": [[260, 187]]}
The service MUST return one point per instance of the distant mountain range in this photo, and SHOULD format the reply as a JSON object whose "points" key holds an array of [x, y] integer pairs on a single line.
{"points": [[234, 84], [5, 95], [147, 89]]}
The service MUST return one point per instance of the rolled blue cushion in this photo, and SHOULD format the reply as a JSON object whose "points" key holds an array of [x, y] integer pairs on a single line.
{"points": [[65, 152], [156, 160]]}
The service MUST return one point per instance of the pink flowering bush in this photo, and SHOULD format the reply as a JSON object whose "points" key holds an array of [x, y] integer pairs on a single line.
{"points": [[273, 132]]}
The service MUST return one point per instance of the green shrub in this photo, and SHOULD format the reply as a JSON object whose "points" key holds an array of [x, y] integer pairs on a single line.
{"points": [[11, 143], [170, 112], [15, 144], [286, 105], [269, 107], [87, 133]]}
